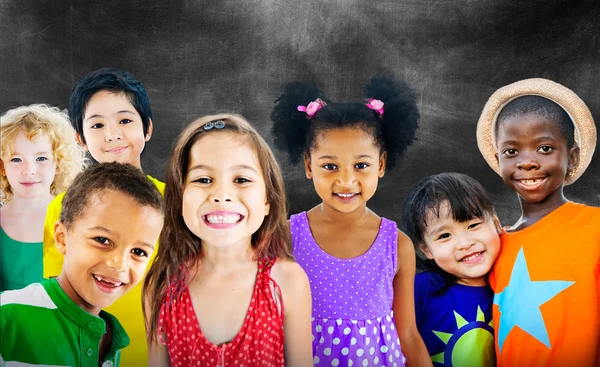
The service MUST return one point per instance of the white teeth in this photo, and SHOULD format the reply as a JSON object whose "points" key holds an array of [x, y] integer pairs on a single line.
{"points": [[100, 279], [531, 182], [475, 255], [223, 219], [345, 195]]}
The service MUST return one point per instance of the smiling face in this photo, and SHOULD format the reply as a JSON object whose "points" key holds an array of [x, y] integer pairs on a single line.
{"points": [[224, 197], [31, 168], [345, 166], [113, 129], [105, 256], [466, 250], [534, 157]]}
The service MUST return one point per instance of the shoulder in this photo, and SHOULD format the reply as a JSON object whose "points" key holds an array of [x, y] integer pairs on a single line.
{"points": [[290, 277], [159, 184], [405, 246], [56, 203], [423, 279], [19, 306]]}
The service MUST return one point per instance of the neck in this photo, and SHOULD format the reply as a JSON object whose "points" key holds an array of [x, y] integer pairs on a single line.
{"points": [[66, 286], [355, 218], [227, 259], [533, 212], [475, 282], [29, 205]]}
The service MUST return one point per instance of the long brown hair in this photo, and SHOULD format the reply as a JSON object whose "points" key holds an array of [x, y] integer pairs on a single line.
{"points": [[180, 249]]}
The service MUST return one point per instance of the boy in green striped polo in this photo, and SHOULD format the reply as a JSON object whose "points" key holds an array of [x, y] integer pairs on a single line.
{"points": [[110, 222]]}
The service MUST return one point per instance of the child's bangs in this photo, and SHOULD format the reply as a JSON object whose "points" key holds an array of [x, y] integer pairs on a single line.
{"points": [[464, 204]]}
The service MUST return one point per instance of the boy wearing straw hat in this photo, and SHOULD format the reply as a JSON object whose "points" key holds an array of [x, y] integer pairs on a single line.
{"points": [[539, 136]]}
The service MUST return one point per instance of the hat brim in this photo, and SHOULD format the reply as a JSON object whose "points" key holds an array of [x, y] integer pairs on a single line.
{"points": [[585, 129]]}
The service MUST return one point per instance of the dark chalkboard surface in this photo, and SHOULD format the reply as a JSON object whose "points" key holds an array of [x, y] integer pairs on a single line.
{"points": [[200, 57]]}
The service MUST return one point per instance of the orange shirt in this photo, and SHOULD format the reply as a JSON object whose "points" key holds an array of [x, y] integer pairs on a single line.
{"points": [[546, 284]]}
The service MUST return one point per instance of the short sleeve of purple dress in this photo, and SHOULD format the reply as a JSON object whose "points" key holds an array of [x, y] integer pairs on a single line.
{"points": [[352, 318]]}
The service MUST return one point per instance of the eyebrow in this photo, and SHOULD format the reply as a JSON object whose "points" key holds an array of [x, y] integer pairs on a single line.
{"points": [[238, 167], [104, 229], [360, 156], [119, 112]]}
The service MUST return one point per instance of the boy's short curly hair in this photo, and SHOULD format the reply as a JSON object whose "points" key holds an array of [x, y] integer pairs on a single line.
{"points": [[122, 178], [35, 120]]}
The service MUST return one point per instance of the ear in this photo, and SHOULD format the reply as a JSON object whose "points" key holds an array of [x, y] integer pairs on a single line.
{"points": [[81, 141], [573, 159], [60, 237], [382, 159], [497, 224], [425, 250], [150, 128], [307, 168], [497, 160], [267, 208]]}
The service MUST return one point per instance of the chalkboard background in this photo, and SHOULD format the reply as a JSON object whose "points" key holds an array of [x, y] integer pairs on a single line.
{"points": [[201, 57]]}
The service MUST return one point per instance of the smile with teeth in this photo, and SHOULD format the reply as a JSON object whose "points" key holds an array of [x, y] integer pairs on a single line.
{"points": [[223, 219], [345, 194], [472, 256], [107, 282], [531, 182]]}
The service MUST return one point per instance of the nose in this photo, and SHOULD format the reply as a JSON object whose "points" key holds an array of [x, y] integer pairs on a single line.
{"points": [[220, 192], [29, 168], [465, 242], [118, 261], [113, 133], [527, 162], [346, 177]]}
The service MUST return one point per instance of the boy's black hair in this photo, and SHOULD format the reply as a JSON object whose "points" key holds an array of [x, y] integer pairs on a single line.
{"points": [[123, 178], [539, 106], [393, 133], [467, 200], [111, 80]]}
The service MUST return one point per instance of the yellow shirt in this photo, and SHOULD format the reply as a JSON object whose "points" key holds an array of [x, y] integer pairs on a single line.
{"points": [[127, 309]]}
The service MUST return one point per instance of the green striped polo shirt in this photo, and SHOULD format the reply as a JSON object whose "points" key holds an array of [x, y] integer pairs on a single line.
{"points": [[41, 326]]}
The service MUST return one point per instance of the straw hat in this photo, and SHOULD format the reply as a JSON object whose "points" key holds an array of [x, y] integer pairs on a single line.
{"points": [[585, 130]]}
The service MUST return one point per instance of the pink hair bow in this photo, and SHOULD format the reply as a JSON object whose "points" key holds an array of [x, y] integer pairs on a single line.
{"points": [[312, 107], [375, 105]]}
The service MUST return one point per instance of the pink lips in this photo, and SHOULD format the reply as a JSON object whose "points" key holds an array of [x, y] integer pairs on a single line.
{"points": [[105, 284], [345, 197], [117, 150], [30, 183], [531, 186], [475, 260]]}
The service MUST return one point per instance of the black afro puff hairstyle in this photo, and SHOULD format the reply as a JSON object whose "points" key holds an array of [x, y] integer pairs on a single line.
{"points": [[393, 132]]}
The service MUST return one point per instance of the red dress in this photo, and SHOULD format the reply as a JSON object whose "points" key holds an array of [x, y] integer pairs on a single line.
{"points": [[259, 342]]}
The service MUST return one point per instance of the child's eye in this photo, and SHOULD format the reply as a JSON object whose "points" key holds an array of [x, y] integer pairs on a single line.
{"points": [[474, 225], [97, 126], [16, 160], [241, 180], [443, 236], [545, 149], [361, 165], [102, 240], [329, 166], [139, 252], [41, 159], [125, 121], [510, 152], [202, 180]]}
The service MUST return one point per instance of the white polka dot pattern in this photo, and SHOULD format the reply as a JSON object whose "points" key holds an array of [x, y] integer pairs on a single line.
{"points": [[353, 322]]}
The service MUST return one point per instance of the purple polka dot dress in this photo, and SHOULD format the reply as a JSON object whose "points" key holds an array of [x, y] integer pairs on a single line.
{"points": [[352, 323]]}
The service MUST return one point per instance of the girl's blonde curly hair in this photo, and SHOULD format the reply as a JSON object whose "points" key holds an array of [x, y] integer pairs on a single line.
{"points": [[35, 120]]}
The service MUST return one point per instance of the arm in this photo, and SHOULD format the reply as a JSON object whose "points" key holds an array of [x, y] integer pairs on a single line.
{"points": [[158, 356], [404, 308], [297, 309], [52, 259]]}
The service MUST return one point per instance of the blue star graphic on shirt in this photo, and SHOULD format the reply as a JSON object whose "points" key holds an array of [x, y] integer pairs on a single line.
{"points": [[519, 303]]}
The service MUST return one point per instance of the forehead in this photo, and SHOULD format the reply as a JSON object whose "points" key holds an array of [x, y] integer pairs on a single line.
{"points": [[222, 149], [38, 143], [350, 139], [106, 102], [527, 126], [106, 205]]}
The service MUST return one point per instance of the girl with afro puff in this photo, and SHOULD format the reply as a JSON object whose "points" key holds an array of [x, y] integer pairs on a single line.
{"points": [[360, 266]]}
